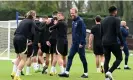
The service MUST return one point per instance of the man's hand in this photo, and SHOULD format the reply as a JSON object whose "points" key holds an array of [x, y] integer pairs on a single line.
{"points": [[48, 43], [30, 43], [126, 27], [89, 46], [80, 46], [121, 47], [39, 45], [55, 21]]}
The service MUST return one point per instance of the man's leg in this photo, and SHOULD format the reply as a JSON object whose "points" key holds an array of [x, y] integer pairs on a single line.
{"points": [[53, 69], [84, 62], [45, 66], [126, 51], [34, 58], [118, 54], [107, 54], [21, 65], [15, 64], [97, 63], [102, 62], [73, 51], [28, 65]]}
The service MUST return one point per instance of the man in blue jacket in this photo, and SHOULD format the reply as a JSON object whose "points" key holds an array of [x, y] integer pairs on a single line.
{"points": [[124, 30], [78, 43]]}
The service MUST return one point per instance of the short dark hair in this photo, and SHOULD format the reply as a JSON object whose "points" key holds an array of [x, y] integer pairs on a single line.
{"points": [[61, 13], [55, 13], [98, 18], [112, 9], [45, 16]]}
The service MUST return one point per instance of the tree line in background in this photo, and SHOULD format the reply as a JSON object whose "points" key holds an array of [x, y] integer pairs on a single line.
{"points": [[87, 9]]}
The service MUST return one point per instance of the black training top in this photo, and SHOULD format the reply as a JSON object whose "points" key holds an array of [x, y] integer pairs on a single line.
{"points": [[95, 30], [110, 30], [61, 27], [26, 28], [45, 34], [54, 32]]}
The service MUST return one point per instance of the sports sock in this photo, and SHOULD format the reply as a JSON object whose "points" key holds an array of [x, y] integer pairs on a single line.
{"points": [[66, 72], [102, 63], [126, 66], [27, 70], [43, 64], [52, 69], [98, 69], [86, 74], [14, 68], [62, 69], [18, 72]]}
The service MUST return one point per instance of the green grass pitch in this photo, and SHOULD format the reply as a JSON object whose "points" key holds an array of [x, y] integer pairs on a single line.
{"points": [[75, 72]]}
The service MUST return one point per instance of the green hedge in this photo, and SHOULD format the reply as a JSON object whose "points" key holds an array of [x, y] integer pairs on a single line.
{"points": [[9, 14]]}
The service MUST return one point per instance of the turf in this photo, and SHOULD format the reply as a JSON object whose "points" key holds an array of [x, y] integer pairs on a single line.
{"points": [[75, 73]]}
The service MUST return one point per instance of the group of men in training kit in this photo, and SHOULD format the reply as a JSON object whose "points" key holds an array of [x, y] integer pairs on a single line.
{"points": [[33, 38]]}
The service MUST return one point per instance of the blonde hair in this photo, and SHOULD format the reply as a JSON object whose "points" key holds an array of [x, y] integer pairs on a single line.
{"points": [[123, 23], [31, 14], [76, 10]]}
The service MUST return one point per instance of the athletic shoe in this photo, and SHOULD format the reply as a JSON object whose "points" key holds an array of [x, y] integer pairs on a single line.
{"points": [[22, 73], [109, 75], [44, 70], [84, 76], [127, 68], [17, 78], [13, 75], [102, 69], [63, 75], [52, 73], [106, 78]]}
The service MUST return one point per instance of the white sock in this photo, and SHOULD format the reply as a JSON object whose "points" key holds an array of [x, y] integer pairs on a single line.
{"points": [[27, 70], [35, 66], [126, 66], [52, 69], [43, 64], [14, 68], [98, 69], [86, 74], [102, 63], [66, 72], [62, 69], [18, 72]]}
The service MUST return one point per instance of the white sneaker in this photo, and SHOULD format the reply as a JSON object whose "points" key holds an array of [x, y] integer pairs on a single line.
{"points": [[107, 79], [109, 74]]}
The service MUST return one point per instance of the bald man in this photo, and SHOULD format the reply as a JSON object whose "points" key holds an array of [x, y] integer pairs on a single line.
{"points": [[78, 43], [124, 30]]}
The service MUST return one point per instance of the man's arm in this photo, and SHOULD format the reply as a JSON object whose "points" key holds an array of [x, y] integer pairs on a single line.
{"points": [[118, 31], [54, 26], [91, 37], [82, 33], [38, 28], [124, 32]]}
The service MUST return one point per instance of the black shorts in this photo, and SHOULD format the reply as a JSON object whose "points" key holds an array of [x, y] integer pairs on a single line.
{"points": [[45, 48], [98, 50], [53, 46], [62, 47], [35, 47], [30, 50], [20, 43]]}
